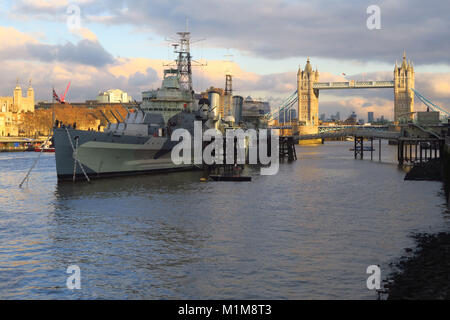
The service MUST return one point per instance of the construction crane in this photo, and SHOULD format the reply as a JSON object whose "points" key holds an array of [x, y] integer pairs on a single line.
{"points": [[444, 113], [61, 99]]}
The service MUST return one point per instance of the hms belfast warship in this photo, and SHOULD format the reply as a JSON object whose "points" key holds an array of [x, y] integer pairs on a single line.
{"points": [[141, 143]]}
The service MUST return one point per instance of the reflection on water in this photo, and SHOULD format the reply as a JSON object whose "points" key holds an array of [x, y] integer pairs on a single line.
{"points": [[308, 232]]}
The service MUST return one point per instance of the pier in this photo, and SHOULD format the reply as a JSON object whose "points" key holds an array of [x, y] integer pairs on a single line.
{"points": [[287, 148], [418, 150], [416, 144]]}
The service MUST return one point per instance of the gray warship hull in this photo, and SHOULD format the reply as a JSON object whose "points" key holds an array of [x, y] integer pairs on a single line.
{"points": [[106, 155], [140, 143]]}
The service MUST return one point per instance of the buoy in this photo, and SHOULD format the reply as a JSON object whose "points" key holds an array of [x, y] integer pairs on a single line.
{"points": [[203, 179]]}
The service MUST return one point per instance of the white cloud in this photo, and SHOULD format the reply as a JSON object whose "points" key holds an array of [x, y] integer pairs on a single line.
{"points": [[92, 69], [280, 29], [17, 45]]}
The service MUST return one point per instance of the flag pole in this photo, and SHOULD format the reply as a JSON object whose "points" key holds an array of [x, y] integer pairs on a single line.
{"points": [[53, 108]]}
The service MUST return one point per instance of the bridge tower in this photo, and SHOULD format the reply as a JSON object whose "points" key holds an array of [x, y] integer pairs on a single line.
{"points": [[308, 100], [308, 97], [403, 95]]}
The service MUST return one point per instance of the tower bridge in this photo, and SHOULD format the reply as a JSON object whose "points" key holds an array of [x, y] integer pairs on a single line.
{"points": [[306, 98], [308, 88]]}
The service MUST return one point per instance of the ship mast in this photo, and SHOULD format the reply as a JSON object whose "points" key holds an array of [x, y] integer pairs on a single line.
{"points": [[183, 62]]}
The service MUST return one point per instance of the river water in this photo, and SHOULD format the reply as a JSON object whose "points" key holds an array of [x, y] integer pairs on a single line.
{"points": [[309, 232]]}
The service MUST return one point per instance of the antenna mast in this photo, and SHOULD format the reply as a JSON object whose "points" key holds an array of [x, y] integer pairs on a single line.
{"points": [[183, 62]]}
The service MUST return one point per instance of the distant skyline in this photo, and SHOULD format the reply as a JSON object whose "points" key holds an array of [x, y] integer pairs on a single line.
{"points": [[121, 44], [366, 117]]}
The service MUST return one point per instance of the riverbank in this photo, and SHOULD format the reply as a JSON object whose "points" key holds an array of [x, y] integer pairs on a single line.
{"points": [[427, 171], [425, 274]]}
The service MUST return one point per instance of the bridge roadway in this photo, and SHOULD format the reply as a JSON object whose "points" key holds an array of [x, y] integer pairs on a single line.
{"points": [[352, 126], [353, 85], [337, 127]]}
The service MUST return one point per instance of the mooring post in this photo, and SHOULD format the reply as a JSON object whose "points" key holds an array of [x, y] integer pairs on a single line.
{"points": [[405, 151], [435, 150], [402, 159], [400, 150], [371, 149], [379, 150], [420, 148], [410, 152], [415, 156], [362, 148]]}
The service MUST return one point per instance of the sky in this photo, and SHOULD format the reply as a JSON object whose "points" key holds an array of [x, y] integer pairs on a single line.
{"points": [[99, 45]]}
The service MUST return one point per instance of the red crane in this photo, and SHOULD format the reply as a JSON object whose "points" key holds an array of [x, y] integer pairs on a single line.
{"points": [[62, 98]]}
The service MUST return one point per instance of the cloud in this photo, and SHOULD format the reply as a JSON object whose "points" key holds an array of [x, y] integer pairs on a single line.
{"points": [[91, 69], [13, 38], [84, 52], [40, 6], [128, 66], [45, 9], [85, 33], [278, 29], [135, 75], [19, 46], [86, 81], [143, 79], [436, 85]]}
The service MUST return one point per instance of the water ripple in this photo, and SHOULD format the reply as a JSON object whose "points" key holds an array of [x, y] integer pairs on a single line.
{"points": [[308, 232]]}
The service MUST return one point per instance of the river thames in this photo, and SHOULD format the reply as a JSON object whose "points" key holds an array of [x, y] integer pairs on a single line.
{"points": [[309, 232]]}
